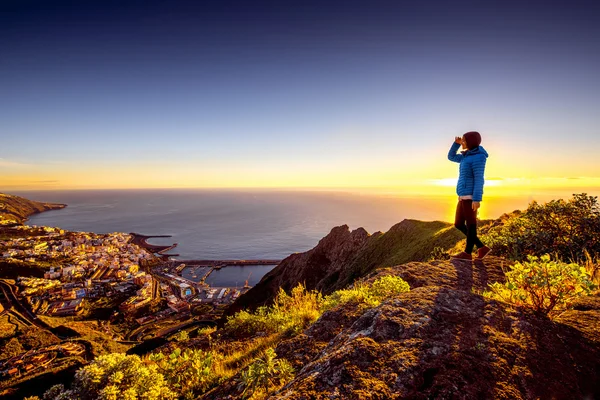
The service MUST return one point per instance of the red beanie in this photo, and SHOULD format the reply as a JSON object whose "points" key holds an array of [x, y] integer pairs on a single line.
{"points": [[473, 139]]}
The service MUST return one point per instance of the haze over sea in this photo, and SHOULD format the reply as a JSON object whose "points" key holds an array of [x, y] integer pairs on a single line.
{"points": [[240, 224]]}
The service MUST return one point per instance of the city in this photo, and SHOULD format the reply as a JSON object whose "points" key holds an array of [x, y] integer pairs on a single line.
{"points": [[115, 285]]}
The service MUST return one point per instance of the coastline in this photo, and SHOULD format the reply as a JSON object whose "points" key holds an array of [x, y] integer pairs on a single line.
{"points": [[16, 210]]}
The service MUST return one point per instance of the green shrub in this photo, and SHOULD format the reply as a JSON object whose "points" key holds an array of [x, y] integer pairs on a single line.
{"points": [[288, 312], [565, 228], [188, 371], [439, 253], [206, 330], [367, 295], [180, 336], [115, 376], [542, 284], [265, 373], [592, 264], [293, 313], [388, 286]]}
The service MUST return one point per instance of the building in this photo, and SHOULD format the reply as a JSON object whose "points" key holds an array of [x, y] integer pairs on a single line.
{"points": [[185, 290], [62, 308], [133, 303], [144, 290], [41, 246], [179, 306], [140, 278], [69, 294], [52, 274]]}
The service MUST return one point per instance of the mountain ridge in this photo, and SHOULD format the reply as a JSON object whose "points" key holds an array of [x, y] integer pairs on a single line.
{"points": [[343, 256]]}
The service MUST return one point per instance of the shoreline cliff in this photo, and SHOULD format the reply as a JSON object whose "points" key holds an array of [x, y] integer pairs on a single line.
{"points": [[15, 210]]}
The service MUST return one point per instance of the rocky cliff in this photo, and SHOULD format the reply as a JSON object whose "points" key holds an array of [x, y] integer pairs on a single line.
{"points": [[15, 210], [343, 256]]}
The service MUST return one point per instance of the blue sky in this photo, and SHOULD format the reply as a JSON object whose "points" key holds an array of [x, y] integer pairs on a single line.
{"points": [[186, 94]]}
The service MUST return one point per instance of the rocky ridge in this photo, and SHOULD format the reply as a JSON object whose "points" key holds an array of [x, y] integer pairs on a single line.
{"points": [[343, 256]]}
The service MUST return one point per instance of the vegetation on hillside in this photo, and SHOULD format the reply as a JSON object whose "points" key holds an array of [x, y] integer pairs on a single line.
{"points": [[190, 372], [367, 296], [293, 313], [264, 375], [567, 229], [24, 338], [94, 332], [544, 285], [115, 377], [409, 240]]}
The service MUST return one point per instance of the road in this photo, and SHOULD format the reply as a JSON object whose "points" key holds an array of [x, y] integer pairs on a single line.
{"points": [[15, 304]]}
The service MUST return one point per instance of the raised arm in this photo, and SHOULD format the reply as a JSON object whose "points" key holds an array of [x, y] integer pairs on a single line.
{"points": [[452, 156], [478, 170]]}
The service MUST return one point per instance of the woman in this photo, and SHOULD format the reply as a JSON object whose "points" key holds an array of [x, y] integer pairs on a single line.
{"points": [[469, 190]]}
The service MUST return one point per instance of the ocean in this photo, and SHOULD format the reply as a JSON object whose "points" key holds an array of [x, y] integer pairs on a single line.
{"points": [[239, 224], [231, 224]]}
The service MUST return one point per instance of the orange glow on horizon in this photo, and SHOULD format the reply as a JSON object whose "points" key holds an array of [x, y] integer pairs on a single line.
{"points": [[502, 193]]}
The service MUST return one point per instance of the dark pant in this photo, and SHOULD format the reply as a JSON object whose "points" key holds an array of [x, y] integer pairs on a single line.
{"points": [[465, 214]]}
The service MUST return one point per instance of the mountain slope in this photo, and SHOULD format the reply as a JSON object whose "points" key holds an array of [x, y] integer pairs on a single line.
{"points": [[442, 340], [343, 256], [409, 240], [15, 209]]}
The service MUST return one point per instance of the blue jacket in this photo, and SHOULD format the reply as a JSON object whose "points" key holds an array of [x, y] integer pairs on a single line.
{"points": [[472, 167]]}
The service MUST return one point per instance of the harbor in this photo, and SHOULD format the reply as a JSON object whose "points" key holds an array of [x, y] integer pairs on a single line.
{"points": [[185, 282]]}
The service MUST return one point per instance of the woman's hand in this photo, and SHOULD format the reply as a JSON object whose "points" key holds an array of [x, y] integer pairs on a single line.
{"points": [[457, 139], [476, 205]]}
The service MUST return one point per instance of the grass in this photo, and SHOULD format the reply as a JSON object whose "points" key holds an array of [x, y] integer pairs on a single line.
{"points": [[237, 359], [592, 265], [410, 240]]}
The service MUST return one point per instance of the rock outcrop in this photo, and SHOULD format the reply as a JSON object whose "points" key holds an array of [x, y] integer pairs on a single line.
{"points": [[444, 340], [312, 268], [343, 256]]}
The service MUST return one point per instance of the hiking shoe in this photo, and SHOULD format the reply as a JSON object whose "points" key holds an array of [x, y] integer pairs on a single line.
{"points": [[482, 252], [462, 256]]}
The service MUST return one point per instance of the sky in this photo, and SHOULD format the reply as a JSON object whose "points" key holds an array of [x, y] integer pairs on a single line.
{"points": [[298, 94]]}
